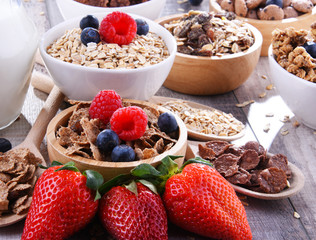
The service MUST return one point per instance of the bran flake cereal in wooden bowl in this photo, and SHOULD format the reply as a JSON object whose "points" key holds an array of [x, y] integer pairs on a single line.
{"points": [[75, 140]]}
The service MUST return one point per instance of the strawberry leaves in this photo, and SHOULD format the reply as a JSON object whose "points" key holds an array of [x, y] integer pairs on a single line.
{"points": [[94, 181]]}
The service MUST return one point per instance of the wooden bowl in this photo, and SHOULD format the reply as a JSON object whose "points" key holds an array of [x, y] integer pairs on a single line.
{"points": [[267, 26], [211, 75], [109, 169]]}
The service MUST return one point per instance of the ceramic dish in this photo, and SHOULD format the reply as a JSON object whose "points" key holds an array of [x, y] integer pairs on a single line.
{"points": [[83, 83], [70, 8], [296, 92], [296, 181], [194, 134]]}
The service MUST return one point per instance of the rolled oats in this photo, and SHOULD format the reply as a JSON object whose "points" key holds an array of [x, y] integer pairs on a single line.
{"points": [[205, 121], [143, 51], [245, 103]]}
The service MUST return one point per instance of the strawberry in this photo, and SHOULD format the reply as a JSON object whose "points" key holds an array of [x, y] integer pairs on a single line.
{"points": [[198, 198], [62, 203], [133, 212]]}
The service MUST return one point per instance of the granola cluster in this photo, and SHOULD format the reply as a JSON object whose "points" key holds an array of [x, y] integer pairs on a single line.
{"points": [[111, 3], [208, 34], [289, 52], [144, 50], [79, 136]]}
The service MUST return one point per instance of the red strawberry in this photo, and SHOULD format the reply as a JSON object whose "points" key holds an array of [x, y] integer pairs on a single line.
{"points": [[62, 204], [199, 199], [127, 215]]}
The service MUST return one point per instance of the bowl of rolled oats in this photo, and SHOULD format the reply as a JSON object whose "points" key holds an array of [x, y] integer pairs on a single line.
{"points": [[113, 144], [269, 15], [74, 8], [292, 61], [215, 53], [113, 54]]}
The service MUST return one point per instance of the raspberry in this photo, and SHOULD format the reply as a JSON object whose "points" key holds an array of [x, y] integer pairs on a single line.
{"points": [[118, 27], [104, 104], [129, 123]]}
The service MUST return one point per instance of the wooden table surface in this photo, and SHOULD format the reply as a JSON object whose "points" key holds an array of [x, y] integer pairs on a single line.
{"points": [[268, 219]]}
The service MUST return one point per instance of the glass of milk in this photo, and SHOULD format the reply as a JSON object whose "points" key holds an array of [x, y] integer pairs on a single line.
{"points": [[18, 44]]}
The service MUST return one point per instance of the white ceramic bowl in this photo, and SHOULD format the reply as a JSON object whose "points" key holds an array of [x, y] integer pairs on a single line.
{"points": [[150, 9], [298, 94], [83, 83]]}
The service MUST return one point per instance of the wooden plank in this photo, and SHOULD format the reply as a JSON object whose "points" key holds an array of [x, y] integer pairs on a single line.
{"points": [[299, 146]]}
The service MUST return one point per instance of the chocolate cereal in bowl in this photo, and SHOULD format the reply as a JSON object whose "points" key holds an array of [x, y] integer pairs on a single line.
{"points": [[127, 53], [268, 15], [147, 8], [292, 61], [215, 53], [113, 135]]}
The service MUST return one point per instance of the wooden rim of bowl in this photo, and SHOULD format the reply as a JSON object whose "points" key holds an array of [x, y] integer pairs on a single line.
{"points": [[62, 118], [302, 17], [256, 33]]}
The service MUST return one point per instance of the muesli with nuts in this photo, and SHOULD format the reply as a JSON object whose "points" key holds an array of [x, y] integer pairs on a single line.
{"points": [[209, 34]]}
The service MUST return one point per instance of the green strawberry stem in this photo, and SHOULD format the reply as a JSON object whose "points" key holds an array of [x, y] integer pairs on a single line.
{"points": [[154, 178], [164, 171]]}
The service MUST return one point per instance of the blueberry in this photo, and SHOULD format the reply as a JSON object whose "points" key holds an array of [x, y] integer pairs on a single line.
{"points": [[167, 122], [90, 34], [142, 27], [123, 153], [89, 21], [5, 145], [310, 47], [275, 2], [195, 2], [107, 140]]}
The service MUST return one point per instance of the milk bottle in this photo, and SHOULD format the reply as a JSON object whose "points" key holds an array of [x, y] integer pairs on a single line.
{"points": [[18, 43]]}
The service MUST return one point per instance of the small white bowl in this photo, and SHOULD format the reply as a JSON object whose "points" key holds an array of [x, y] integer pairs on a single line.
{"points": [[150, 9], [83, 83], [298, 94]]}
